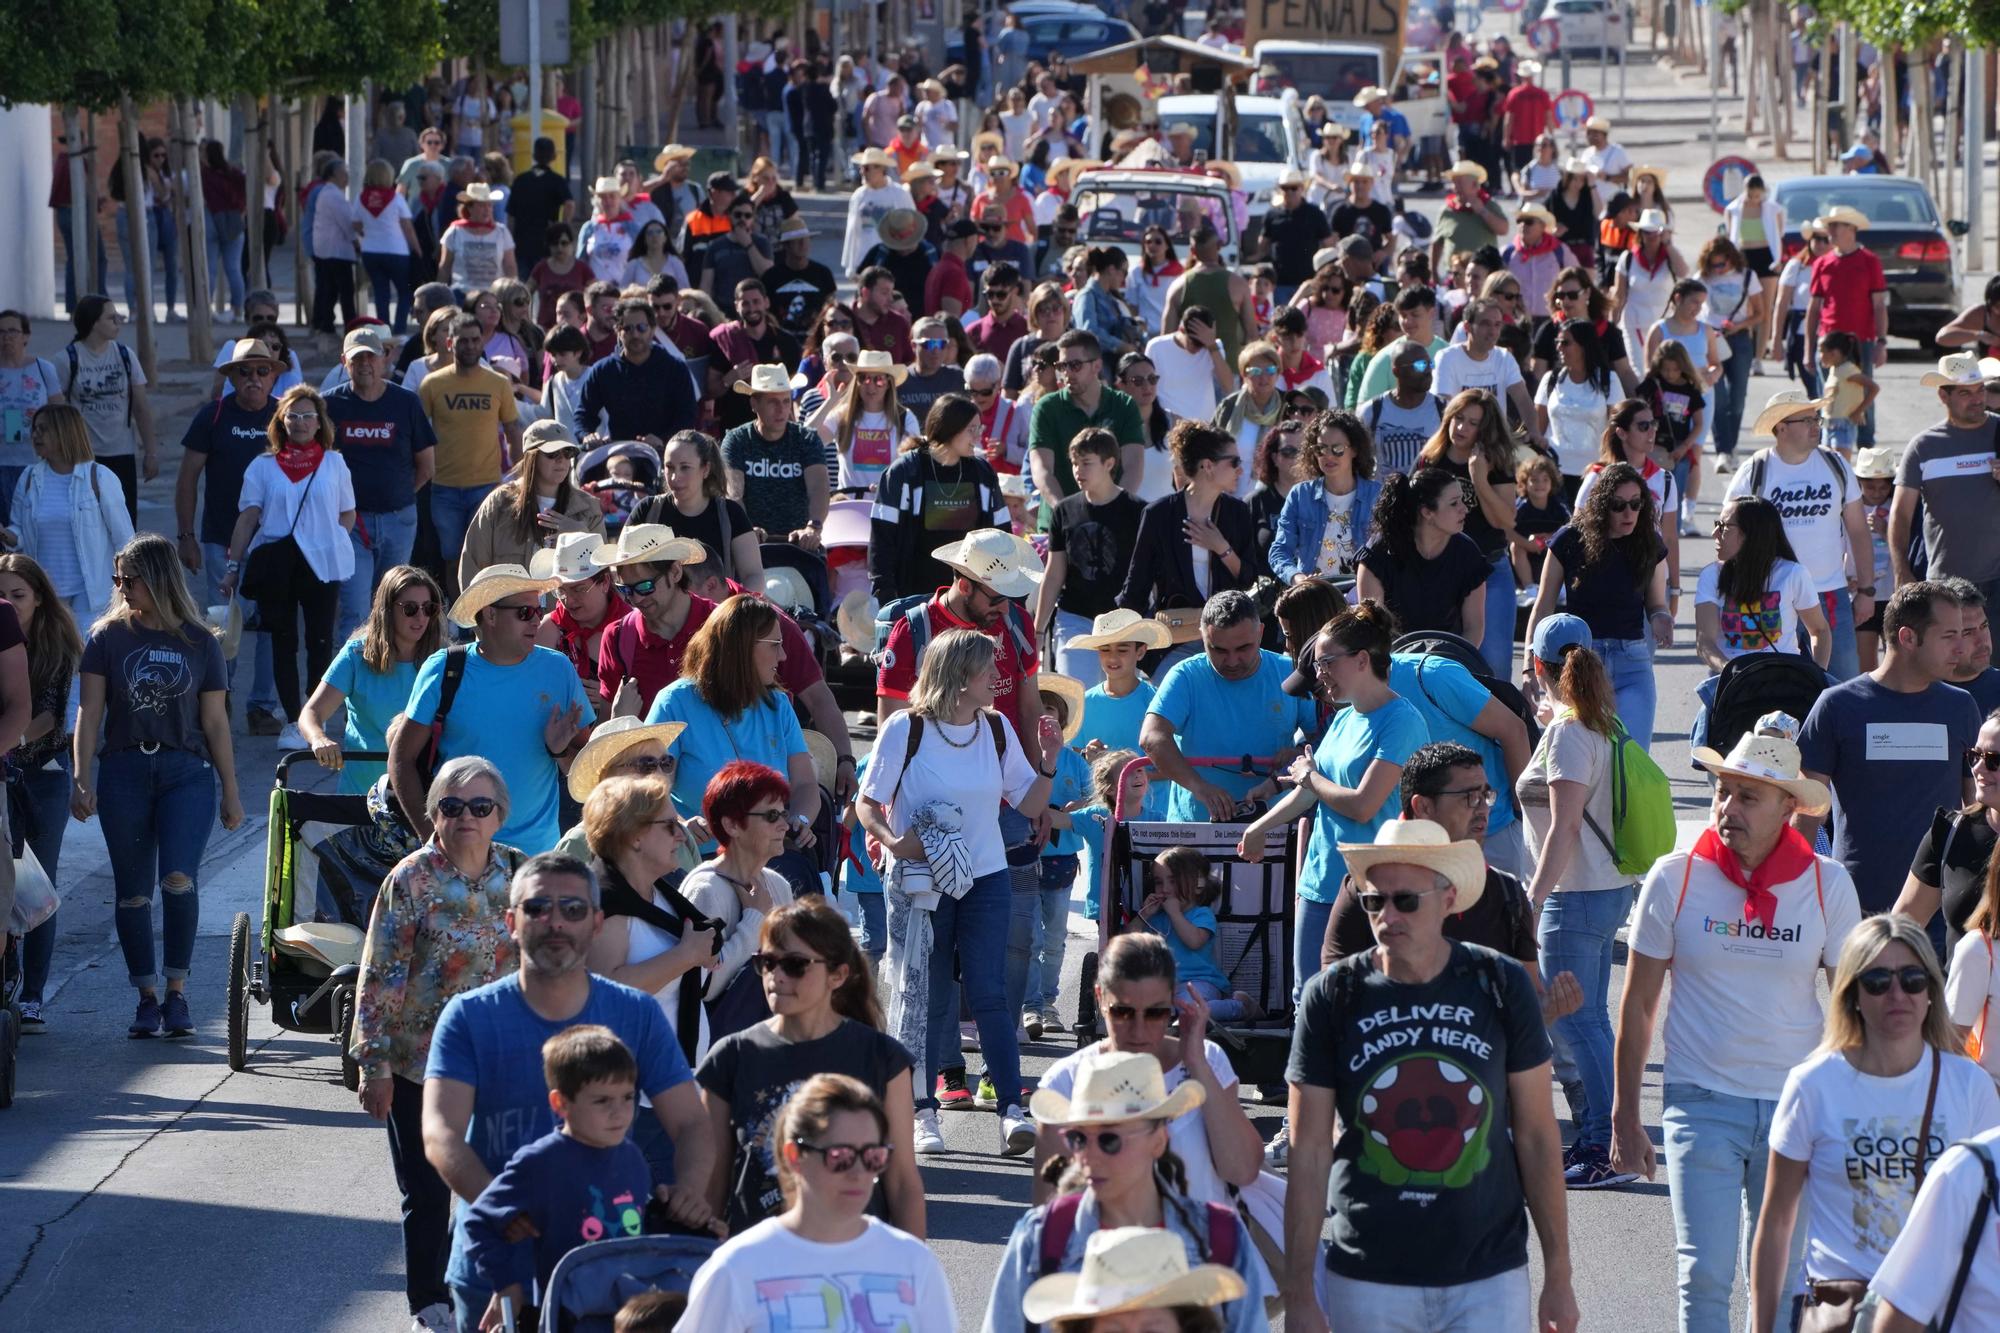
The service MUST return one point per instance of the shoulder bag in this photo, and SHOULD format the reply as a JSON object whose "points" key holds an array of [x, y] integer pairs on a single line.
{"points": [[271, 570]]}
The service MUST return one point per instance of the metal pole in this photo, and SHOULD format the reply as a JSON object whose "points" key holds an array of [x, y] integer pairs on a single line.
{"points": [[534, 75], [1975, 158], [1714, 83]]}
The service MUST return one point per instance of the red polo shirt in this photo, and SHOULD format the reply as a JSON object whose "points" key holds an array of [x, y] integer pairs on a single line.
{"points": [[898, 674], [1846, 285], [889, 333], [950, 279], [579, 644], [656, 662], [1526, 111]]}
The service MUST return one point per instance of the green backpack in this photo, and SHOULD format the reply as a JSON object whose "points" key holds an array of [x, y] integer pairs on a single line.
{"points": [[1642, 808]]}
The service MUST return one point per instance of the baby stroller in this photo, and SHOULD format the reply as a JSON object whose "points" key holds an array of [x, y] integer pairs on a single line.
{"points": [[327, 856], [593, 1281], [1751, 686], [616, 496], [844, 539], [1254, 918]]}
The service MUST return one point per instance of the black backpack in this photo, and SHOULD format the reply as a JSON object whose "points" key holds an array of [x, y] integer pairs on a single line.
{"points": [[1455, 648]]}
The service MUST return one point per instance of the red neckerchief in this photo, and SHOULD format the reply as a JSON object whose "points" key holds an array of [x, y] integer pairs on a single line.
{"points": [[297, 461], [1458, 205], [430, 198], [1787, 861], [463, 225], [624, 215], [1307, 368], [1172, 269], [1651, 267], [375, 198], [1547, 245]]}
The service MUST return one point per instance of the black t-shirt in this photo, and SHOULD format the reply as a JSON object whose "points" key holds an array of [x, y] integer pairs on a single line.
{"points": [[705, 527], [231, 437], [1429, 594], [1503, 920], [1295, 234], [1098, 541], [774, 471], [797, 294], [1608, 337], [1426, 1190], [381, 441], [918, 392], [153, 683], [1490, 540], [1953, 857], [1372, 222], [1606, 595], [533, 202]]}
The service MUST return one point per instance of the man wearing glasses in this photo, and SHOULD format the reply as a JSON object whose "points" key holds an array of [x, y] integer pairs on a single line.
{"points": [[1017, 211], [1004, 323], [735, 255], [935, 373], [996, 246], [1084, 400]]}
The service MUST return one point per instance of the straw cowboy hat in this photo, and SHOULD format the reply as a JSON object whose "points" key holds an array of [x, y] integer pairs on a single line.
{"points": [[333, 944], [1112, 1086], [873, 157], [1122, 626], [568, 561], [610, 739], [673, 152], [1125, 1269], [1875, 463], [989, 140], [826, 761], [1229, 169], [1598, 123], [1359, 170], [1650, 219], [765, 379], [1420, 842], [479, 192], [1853, 217], [944, 153], [901, 229], [1783, 406], [1659, 175], [1960, 370], [880, 363], [1464, 167], [1371, 93], [997, 165], [489, 585], [1071, 691], [919, 171], [1535, 213], [607, 185], [647, 544], [547, 436], [1069, 168], [1333, 129], [998, 560], [855, 619], [249, 351], [1771, 759]]}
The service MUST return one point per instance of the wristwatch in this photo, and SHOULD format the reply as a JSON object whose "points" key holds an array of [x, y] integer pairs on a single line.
{"points": [[1868, 591]]}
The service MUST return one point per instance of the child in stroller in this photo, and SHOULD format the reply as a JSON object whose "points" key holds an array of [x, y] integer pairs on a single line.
{"points": [[620, 475]]}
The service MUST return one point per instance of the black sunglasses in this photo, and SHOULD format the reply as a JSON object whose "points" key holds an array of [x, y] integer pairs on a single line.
{"points": [[1986, 759], [1913, 979], [1152, 1013], [451, 807], [411, 610], [840, 1158], [793, 965], [643, 588], [573, 910], [1406, 902], [769, 816], [646, 765], [524, 614], [1108, 1141], [1625, 506]]}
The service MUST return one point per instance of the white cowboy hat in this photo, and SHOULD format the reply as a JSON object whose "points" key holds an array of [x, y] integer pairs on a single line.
{"points": [[873, 157], [611, 738], [1659, 175], [1576, 166], [1112, 1086], [880, 363], [673, 152], [998, 560], [1291, 176], [489, 585], [1597, 123], [1529, 69], [1122, 626], [607, 185], [245, 351], [765, 379], [1853, 217], [568, 561], [479, 192], [1129, 1268], [1783, 406], [1771, 759], [1358, 170], [1464, 167], [786, 588], [547, 436], [1420, 842], [826, 760], [647, 544], [1071, 691], [1371, 93], [1650, 219], [1959, 370], [855, 619], [1535, 213], [1875, 463]]}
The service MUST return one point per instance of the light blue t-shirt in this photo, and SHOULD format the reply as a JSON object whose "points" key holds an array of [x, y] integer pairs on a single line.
{"points": [[500, 714], [858, 873], [491, 1039], [766, 733], [1089, 829], [1353, 741], [1448, 697], [1116, 722], [374, 698], [1070, 784], [1217, 718], [1192, 964]]}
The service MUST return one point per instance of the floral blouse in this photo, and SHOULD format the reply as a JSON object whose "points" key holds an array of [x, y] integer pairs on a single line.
{"points": [[434, 933]]}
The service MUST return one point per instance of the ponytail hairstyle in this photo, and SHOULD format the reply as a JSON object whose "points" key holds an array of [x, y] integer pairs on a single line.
{"points": [[809, 1113], [1643, 548], [811, 923], [1581, 682], [1104, 771], [1367, 627], [1747, 576], [1401, 504]]}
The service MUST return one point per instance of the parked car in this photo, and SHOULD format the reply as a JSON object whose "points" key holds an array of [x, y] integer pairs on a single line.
{"points": [[1600, 27], [1114, 207], [1056, 27], [1334, 70], [1905, 232]]}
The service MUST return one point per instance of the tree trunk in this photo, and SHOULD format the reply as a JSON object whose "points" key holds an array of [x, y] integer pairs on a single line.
{"points": [[649, 66], [683, 77], [297, 142], [1891, 110], [255, 163], [138, 254], [201, 333], [1817, 130], [82, 214]]}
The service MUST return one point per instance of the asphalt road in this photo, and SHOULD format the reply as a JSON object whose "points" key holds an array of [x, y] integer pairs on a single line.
{"points": [[142, 1184]]}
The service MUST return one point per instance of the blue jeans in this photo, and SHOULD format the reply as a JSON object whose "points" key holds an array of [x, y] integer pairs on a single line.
{"points": [[1498, 1304], [1577, 930], [1629, 663], [873, 909], [1051, 922], [389, 276], [47, 790], [225, 254], [784, 146], [1497, 644], [160, 238], [452, 508], [1308, 934], [1717, 1149], [1730, 391], [1081, 663], [263, 681], [976, 920], [381, 542], [156, 810]]}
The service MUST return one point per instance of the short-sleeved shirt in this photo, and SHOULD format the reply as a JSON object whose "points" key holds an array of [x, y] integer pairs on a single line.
{"points": [[1429, 594], [1057, 419], [1846, 285], [767, 733], [1767, 624], [1018, 659], [953, 763], [1918, 1273], [774, 474], [1952, 471], [798, 294], [1606, 594], [756, 1071], [381, 441], [1450, 699], [1570, 751], [153, 682], [1952, 858], [1457, 370], [24, 391], [1503, 920], [705, 527], [1295, 235], [231, 438], [627, 646], [1190, 963], [1894, 759], [1425, 1190], [374, 698], [1213, 717], [490, 1039], [1096, 542], [1811, 497], [101, 388], [467, 410], [1354, 741], [500, 713]]}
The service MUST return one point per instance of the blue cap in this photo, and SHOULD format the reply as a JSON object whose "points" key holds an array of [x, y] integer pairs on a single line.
{"points": [[1855, 151], [1557, 632]]}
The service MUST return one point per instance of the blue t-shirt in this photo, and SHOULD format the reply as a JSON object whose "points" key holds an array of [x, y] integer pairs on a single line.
{"points": [[1192, 964], [1894, 759], [1070, 784], [381, 441], [1213, 717], [500, 713], [373, 700], [858, 874], [1448, 698], [1116, 722], [490, 1039], [766, 733], [1353, 741], [572, 1192], [231, 437], [1089, 829]]}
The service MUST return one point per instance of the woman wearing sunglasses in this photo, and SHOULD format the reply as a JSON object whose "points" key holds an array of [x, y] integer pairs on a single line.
{"points": [[438, 929], [1472, 444], [1250, 413], [1859, 1123], [828, 1145], [538, 503], [744, 810], [1950, 871], [372, 674]]}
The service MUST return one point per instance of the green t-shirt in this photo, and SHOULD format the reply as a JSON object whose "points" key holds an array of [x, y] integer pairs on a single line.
{"points": [[1057, 420], [1380, 375], [1464, 229]]}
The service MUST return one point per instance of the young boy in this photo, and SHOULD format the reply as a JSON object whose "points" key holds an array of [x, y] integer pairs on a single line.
{"points": [[585, 1181], [1091, 538], [1063, 696], [1875, 469], [566, 348]]}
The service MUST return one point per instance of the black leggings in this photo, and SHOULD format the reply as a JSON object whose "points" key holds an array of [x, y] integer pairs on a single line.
{"points": [[125, 467], [279, 617], [426, 1201]]}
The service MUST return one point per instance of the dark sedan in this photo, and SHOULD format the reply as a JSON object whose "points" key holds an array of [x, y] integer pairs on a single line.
{"points": [[1054, 28], [1904, 231]]}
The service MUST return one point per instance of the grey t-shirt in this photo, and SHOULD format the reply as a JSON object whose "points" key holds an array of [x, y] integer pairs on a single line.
{"points": [[153, 683], [1952, 470]]}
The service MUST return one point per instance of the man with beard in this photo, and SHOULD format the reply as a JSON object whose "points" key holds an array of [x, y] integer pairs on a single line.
{"points": [[878, 326], [1976, 674], [800, 285], [991, 604], [1949, 467], [753, 338], [469, 407], [483, 1090], [643, 393]]}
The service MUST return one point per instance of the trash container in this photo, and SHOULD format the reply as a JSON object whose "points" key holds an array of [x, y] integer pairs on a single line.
{"points": [[555, 126]]}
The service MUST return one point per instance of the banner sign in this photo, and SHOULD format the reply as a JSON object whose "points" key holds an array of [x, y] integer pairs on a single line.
{"points": [[1379, 23]]}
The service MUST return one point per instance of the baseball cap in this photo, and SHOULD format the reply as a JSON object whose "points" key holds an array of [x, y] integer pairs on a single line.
{"points": [[1557, 632]]}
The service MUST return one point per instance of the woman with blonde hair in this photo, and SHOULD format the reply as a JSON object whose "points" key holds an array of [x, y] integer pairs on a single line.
{"points": [[864, 423], [516, 302], [1250, 413], [1472, 443], [370, 677], [437, 346], [297, 509], [69, 513], [1860, 1122], [539, 502]]}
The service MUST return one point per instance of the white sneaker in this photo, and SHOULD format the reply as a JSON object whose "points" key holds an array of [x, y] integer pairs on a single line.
{"points": [[928, 1138], [289, 738], [1017, 1132], [433, 1318], [1278, 1149]]}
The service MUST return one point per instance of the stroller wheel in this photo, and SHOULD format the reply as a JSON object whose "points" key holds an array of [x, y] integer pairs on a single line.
{"points": [[239, 991], [350, 1072], [1086, 1003], [10, 1042]]}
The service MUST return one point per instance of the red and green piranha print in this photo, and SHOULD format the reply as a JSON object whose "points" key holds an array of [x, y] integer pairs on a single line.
{"points": [[1425, 1120]]}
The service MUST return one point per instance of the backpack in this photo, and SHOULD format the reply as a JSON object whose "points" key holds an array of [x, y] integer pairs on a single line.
{"points": [[1642, 808], [131, 381], [1988, 1196], [1371, 411], [454, 674], [1455, 648], [917, 739], [916, 608], [1761, 459], [1059, 1224]]}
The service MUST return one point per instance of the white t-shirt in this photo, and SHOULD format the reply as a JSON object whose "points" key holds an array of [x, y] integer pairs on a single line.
{"points": [[1187, 379], [1796, 278], [755, 1281], [1858, 1135], [382, 233], [1810, 497], [1339, 540], [476, 253], [1015, 127], [101, 391], [1458, 369], [1969, 989], [1571, 752], [311, 519], [1745, 1006], [1187, 1133], [955, 764], [1658, 480], [1729, 295], [468, 116], [1916, 1276], [1577, 414], [1771, 625], [873, 448]]}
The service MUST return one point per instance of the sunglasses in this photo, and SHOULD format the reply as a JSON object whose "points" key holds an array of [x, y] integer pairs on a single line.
{"points": [[451, 807], [1648, 423], [841, 325], [643, 588], [982, 391], [1230, 460], [645, 766], [1986, 759], [1261, 372], [872, 379], [411, 610], [934, 344], [840, 1158], [1573, 294], [1074, 366], [525, 614], [1913, 979], [572, 910], [793, 965], [1405, 902], [1152, 1013], [124, 580], [1107, 1141], [1143, 381], [1626, 506], [773, 817], [992, 228]]}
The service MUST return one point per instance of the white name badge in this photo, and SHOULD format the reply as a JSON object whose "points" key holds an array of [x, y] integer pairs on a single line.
{"points": [[1958, 465], [1908, 742]]}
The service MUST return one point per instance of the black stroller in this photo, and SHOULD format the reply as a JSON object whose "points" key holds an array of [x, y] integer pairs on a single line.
{"points": [[617, 496], [593, 1281], [1753, 685]]}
